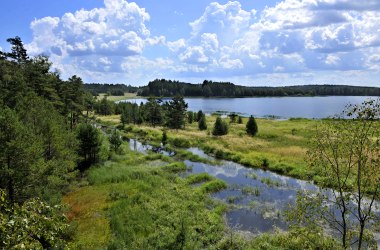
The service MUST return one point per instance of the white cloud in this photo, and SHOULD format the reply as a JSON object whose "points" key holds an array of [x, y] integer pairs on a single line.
{"points": [[332, 60], [194, 55], [292, 38], [176, 45], [227, 21], [95, 39]]}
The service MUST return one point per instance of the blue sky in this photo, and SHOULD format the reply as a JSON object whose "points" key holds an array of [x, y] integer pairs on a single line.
{"points": [[256, 43]]}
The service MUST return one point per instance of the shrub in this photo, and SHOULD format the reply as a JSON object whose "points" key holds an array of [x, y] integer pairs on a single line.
{"points": [[251, 126], [220, 127], [181, 143]]}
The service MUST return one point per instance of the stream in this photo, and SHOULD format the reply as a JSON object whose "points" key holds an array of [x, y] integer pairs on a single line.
{"points": [[258, 198]]}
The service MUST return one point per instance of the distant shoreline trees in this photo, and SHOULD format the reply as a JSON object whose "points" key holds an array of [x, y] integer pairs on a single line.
{"points": [[169, 88]]}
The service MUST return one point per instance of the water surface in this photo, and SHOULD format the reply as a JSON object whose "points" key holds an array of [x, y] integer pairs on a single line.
{"points": [[281, 107]]}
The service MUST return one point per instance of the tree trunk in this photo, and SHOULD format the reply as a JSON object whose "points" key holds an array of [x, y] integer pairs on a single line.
{"points": [[361, 235]]}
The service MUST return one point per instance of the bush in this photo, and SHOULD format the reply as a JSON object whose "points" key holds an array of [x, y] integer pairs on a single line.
{"points": [[251, 126], [181, 143], [202, 125], [220, 127]]}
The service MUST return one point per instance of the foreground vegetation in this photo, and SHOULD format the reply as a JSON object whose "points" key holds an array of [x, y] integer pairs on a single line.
{"points": [[136, 201]]}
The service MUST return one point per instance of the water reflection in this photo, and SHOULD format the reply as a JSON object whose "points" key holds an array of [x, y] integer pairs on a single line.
{"points": [[258, 197]]}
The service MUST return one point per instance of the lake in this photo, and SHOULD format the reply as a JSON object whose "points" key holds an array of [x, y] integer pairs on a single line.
{"points": [[279, 107]]}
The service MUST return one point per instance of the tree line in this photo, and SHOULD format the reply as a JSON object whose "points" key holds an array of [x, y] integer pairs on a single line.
{"points": [[172, 114], [168, 88], [110, 89], [46, 141]]}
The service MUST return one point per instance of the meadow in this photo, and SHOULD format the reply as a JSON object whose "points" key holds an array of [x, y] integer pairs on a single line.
{"points": [[280, 145]]}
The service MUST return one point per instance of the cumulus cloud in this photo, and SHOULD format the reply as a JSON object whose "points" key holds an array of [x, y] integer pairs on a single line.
{"points": [[293, 37], [96, 39]]}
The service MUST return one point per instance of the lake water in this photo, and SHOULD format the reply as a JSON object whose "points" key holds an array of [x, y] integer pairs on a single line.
{"points": [[280, 107]]}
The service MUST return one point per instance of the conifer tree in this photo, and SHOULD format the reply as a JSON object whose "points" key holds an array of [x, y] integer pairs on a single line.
{"points": [[251, 126], [176, 112], [202, 124], [220, 127]]}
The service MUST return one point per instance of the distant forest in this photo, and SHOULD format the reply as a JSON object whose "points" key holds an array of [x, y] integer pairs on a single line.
{"points": [[168, 88], [111, 89]]}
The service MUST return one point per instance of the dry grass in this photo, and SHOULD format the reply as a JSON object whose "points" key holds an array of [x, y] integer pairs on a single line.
{"points": [[87, 206], [118, 98]]}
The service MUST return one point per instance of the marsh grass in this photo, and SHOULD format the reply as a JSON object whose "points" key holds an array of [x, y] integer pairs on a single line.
{"points": [[136, 201], [279, 146]]}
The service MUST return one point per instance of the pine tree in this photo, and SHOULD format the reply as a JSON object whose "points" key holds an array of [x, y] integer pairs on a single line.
{"points": [[190, 117], [176, 112], [89, 145], [115, 140], [199, 115], [251, 126], [233, 117], [220, 127], [154, 111], [202, 124]]}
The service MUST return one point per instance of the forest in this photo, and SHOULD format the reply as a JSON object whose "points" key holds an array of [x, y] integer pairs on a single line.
{"points": [[169, 88]]}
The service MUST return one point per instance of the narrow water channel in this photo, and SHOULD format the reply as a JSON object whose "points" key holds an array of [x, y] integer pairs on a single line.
{"points": [[258, 198]]}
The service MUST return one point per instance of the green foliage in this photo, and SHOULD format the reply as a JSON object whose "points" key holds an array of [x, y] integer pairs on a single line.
{"points": [[213, 186], [251, 126], [176, 112], [198, 178], [105, 107], [32, 225], [202, 123], [190, 117], [297, 238], [180, 142], [154, 112], [20, 155], [115, 140], [233, 117], [220, 127], [199, 115], [175, 167], [168, 88], [164, 138], [150, 207], [89, 145], [345, 154]]}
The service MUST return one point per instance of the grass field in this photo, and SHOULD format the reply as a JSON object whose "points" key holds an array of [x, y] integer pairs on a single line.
{"points": [[118, 98]]}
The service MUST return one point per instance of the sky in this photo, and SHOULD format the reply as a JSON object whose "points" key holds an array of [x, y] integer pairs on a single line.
{"points": [[247, 42]]}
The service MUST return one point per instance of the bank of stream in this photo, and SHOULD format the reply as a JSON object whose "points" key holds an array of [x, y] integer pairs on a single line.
{"points": [[257, 198]]}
